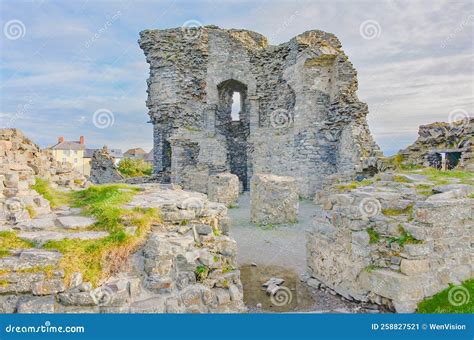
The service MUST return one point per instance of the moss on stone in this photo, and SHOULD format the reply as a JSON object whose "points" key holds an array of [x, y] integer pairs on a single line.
{"points": [[374, 236], [397, 212], [9, 241]]}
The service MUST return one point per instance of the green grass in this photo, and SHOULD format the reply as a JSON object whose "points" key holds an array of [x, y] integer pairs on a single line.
{"points": [[31, 211], [374, 236], [9, 240], [129, 167], [424, 189], [401, 179], [354, 185], [201, 272], [446, 177], [404, 238], [104, 203], [55, 197], [397, 212], [462, 296], [471, 196], [98, 259]]}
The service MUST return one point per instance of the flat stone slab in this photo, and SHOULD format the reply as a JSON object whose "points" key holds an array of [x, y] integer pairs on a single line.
{"points": [[273, 281], [73, 222], [29, 258], [449, 187], [39, 223], [41, 237]]}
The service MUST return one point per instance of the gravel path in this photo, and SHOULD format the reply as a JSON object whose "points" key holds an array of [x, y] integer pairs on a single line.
{"points": [[281, 251], [284, 245]]}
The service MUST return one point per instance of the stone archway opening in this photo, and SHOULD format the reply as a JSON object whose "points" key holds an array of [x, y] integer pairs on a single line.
{"points": [[233, 122]]}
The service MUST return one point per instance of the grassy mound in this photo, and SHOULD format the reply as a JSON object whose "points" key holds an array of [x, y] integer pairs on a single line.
{"points": [[98, 259], [454, 299]]}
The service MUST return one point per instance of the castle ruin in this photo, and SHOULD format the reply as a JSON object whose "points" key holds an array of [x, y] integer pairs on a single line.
{"points": [[299, 113]]}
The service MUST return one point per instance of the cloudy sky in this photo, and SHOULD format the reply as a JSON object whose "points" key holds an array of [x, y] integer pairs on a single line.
{"points": [[63, 61]]}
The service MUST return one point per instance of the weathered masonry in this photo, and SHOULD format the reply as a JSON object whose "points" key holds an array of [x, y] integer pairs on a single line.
{"points": [[298, 113]]}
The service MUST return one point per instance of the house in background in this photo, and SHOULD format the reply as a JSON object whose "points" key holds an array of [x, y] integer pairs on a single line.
{"points": [[149, 157], [70, 152], [116, 153], [135, 153]]}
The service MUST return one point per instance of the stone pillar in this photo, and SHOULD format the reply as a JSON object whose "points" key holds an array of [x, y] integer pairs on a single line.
{"points": [[157, 147]]}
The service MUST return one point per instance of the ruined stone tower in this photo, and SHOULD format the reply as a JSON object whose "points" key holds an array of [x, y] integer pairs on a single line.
{"points": [[299, 113]]}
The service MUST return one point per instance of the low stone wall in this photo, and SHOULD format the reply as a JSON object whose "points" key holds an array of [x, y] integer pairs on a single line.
{"points": [[187, 264], [390, 243]]}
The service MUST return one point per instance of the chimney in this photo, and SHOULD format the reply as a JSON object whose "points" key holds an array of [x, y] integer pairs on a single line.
{"points": [[60, 139], [81, 140]]}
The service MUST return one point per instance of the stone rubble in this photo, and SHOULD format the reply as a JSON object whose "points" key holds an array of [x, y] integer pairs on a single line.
{"points": [[457, 136], [187, 264], [103, 169], [21, 161]]}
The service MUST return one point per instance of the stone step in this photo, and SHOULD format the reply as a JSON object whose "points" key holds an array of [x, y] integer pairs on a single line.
{"points": [[75, 222], [30, 258], [41, 237]]}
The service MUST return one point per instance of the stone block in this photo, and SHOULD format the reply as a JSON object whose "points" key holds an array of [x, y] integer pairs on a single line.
{"points": [[414, 267], [36, 304], [274, 199], [223, 188]]}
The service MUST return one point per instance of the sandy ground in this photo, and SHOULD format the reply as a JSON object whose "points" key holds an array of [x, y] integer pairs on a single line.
{"points": [[281, 252]]}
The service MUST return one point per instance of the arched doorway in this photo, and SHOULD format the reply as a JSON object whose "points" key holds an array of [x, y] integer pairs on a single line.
{"points": [[233, 121]]}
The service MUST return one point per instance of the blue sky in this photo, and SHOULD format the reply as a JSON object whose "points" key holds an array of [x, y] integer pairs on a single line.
{"points": [[62, 61]]}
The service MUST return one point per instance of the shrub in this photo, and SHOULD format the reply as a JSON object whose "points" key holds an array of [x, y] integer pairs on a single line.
{"points": [[129, 167]]}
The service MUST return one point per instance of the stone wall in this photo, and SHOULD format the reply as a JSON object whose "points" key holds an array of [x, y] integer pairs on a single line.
{"points": [[299, 116], [442, 137], [390, 243]]}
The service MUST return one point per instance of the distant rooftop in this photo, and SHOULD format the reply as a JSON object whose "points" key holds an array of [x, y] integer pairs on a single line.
{"points": [[135, 152], [68, 145], [116, 153]]}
